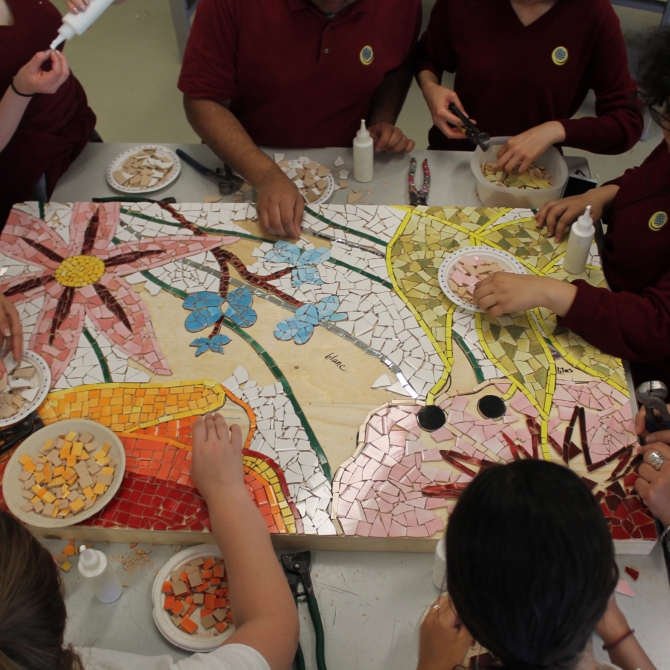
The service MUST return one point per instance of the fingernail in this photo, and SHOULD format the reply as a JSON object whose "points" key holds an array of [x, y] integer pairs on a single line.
{"points": [[6, 332]]}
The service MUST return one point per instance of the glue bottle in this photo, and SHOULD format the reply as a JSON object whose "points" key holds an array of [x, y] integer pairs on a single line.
{"points": [[579, 243], [364, 154], [99, 574], [78, 24]]}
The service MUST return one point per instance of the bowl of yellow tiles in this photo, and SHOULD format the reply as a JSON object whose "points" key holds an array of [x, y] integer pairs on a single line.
{"points": [[64, 473]]}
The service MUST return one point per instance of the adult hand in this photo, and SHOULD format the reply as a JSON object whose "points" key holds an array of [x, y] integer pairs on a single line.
{"points": [[216, 468], [10, 331], [438, 98], [521, 150], [443, 639], [390, 138], [506, 293], [654, 485], [641, 429], [557, 215], [613, 625], [279, 204], [31, 78]]}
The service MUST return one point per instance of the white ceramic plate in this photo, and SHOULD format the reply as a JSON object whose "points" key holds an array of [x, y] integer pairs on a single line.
{"points": [[505, 260], [12, 485], [43, 382], [120, 159], [328, 191], [203, 640]]}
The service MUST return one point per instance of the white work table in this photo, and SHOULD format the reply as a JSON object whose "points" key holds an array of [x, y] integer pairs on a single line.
{"points": [[371, 603]]}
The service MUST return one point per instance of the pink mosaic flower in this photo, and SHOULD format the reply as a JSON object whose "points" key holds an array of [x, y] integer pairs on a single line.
{"points": [[86, 277]]}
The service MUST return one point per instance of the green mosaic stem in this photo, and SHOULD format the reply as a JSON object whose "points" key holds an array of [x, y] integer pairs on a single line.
{"points": [[106, 374], [279, 375], [473, 361], [365, 236], [40, 204], [379, 280], [274, 368]]}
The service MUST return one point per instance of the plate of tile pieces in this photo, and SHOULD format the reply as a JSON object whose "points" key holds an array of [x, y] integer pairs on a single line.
{"points": [[462, 270], [190, 599], [64, 473], [315, 182], [143, 169], [23, 388]]}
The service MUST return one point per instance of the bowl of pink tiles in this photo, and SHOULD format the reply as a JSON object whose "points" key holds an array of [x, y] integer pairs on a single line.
{"points": [[462, 270]]}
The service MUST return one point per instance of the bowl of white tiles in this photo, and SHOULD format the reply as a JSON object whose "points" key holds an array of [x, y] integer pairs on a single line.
{"points": [[31, 379], [508, 262], [500, 196]]}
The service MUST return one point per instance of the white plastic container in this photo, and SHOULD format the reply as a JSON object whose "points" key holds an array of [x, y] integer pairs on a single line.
{"points": [[440, 566], [499, 196], [78, 24], [99, 574], [364, 155], [579, 243]]}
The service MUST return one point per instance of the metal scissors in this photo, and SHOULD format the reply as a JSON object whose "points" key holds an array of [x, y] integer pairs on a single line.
{"points": [[652, 395], [228, 182], [470, 130], [297, 567], [418, 197]]}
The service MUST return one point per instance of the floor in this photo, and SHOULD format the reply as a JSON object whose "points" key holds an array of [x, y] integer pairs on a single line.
{"points": [[133, 46]]}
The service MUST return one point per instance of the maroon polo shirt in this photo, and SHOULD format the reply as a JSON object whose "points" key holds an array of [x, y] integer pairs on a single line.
{"points": [[295, 77], [509, 82], [54, 128], [633, 320]]}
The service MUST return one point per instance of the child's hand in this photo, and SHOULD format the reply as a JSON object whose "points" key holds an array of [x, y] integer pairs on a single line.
{"points": [[217, 457], [10, 331], [559, 214], [31, 78], [506, 293], [443, 639]]}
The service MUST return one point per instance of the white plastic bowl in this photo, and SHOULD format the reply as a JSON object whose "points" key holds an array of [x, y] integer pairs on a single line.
{"points": [[499, 196]]}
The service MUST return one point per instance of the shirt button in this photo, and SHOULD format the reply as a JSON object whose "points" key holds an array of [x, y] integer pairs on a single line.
{"points": [[326, 51]]}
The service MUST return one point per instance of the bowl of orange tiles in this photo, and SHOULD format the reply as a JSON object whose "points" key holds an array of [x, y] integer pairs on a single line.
{"points": [[190, 601], [64, 473]]}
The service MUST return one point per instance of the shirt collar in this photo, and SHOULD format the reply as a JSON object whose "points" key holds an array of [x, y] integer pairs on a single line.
{"points": [[358, 6]]}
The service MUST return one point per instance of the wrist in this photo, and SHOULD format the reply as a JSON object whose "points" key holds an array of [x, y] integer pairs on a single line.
{"points": [[22, 89], [557, 296], [557, 131], [267, 173]]}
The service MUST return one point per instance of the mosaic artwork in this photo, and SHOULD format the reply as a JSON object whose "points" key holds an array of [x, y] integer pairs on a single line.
{"points": [[370, 399]]}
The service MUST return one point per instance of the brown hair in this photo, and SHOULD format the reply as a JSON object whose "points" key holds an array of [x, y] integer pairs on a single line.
{"points": [[32, 609]]}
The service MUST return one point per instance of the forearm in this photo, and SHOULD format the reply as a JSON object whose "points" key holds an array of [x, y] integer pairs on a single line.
{"points": [[224, 135], [629, 655], [12, 108], [256, 582], [426, 79], [390, 96]]}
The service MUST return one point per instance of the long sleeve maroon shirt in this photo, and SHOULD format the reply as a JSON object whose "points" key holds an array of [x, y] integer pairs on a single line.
{"points": [[509, 81], [632, 321]]}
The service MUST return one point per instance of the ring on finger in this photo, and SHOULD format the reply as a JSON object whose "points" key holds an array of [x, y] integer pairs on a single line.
{"points": [[656, 459]]}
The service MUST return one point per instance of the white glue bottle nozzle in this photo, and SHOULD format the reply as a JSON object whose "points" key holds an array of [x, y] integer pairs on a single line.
{"points": [[363, 133], [584, 223], [65, 32], [89, 559]]}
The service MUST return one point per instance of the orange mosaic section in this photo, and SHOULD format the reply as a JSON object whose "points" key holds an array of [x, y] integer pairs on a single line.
{"points": [[127, 407], [160, 447]]}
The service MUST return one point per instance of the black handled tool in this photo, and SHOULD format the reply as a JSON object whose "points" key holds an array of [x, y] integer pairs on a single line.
{"points": [[297, 568], [227, 182], [470, 130], [652, 395]]}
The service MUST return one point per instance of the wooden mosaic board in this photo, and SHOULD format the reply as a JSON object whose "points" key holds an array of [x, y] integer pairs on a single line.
{"points": [[326, 350]]}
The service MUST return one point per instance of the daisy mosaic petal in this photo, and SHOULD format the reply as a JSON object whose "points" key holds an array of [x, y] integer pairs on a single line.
{"points": [[92, 226], [26, 287], [117, 311], [59, 324]]}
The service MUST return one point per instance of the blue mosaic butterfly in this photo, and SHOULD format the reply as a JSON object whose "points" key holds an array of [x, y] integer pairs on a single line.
{"points": [[214, 343], [304, 261], [301, 326], [209, 307]]}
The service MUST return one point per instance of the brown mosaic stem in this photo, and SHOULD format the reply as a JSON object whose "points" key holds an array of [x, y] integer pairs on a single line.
{"points": [[217, 328]]}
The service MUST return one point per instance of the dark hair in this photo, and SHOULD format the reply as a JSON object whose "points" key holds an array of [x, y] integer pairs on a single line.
{"points": [[530, 564], [653, 74], [32, 609]]}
